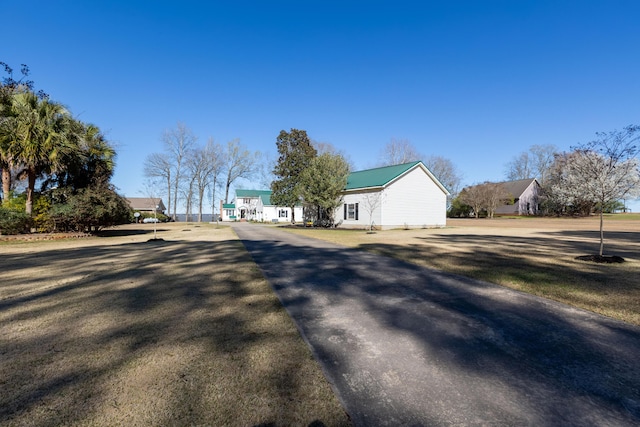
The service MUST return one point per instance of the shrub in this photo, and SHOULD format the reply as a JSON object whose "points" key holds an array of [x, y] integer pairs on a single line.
{"points": [[91, 209], [13, 221]]}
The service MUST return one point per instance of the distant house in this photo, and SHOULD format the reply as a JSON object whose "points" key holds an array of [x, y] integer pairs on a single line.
{"points": [[268, 212], [255, 205], [146, 204], [526, 197], [227, 212], [399, 196]]}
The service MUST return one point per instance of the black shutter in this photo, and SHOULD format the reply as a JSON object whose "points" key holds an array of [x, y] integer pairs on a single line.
{"points": [[356, 211], [345, 211]]}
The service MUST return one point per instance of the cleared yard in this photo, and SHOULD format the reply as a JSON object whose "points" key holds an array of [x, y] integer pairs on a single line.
{"points": [[534, 255], [118, 330]]}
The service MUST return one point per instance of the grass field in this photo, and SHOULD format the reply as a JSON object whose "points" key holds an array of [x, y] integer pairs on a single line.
{"points": [[534, 255], [118, 330]]}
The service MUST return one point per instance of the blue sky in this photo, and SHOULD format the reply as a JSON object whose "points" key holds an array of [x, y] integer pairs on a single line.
{"points": [[477, 82]]}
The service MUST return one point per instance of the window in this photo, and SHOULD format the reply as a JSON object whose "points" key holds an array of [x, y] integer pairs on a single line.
{"points": [[228, 212], [283, 213], [351, 211], [246, 201]]}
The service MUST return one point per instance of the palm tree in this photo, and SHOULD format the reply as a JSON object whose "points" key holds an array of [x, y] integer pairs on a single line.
{"points": [[39, 140], [92, 162], [6, 112]]}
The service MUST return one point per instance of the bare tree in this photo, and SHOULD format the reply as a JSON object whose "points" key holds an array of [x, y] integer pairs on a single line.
{"points": [[543, 156], [371, 202], [473, 196], [188, 185], [446, 172], [158, 168], [534, 163], [519, 167], [495, 196], [488, 196], [204, 165], [214, 154], [177, 143], [398, 151], [265, 170], [239, 163]]}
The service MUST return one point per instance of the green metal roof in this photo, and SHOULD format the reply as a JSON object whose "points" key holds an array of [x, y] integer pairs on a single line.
{"points": [[377, 177], [252, 193], [228, 206], [370, 178], [266, 199]]}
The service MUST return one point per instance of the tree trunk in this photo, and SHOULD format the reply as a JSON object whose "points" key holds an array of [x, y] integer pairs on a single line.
{"points": [[601, 231], [226, 193], [169, 195], [293, 215], [31, 179], [6, 184]]}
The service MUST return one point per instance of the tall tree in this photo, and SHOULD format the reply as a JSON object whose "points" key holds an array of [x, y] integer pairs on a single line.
{"points": [[323, 182], [39, 142], [9, 87], [6, 161], [239, 163], [177, 143], [215, 157], [295, 155], [204, 164]]}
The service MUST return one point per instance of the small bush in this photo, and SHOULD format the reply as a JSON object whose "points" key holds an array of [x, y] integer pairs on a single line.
{"points": [[13, 221]]}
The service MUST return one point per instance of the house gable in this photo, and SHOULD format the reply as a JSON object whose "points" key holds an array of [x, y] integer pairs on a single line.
{"points": [[525, 193]]}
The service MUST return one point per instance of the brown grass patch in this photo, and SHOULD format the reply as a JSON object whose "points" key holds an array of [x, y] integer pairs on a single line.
{"points": [[122, 331], [534, 255]]}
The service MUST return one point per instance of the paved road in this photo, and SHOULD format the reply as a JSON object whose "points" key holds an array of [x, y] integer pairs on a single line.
{"points": [[405, 345]]}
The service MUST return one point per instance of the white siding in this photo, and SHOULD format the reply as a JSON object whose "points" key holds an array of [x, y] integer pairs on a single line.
{"points": [[363, 200], [413, 200], [269, 213]]}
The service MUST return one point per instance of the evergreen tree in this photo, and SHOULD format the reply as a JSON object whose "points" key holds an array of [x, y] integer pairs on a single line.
{"points": [[295, 155], [323, 183]]}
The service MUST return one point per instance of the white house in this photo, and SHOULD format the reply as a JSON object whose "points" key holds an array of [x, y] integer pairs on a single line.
{"points": [[399, 196], [255, 205], [268, 212]]}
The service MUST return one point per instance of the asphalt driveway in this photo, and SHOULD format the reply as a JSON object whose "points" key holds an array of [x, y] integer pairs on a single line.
{"points": [[405, 345]]}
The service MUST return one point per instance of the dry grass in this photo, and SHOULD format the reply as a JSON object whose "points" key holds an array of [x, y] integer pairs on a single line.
{"points": [[121, 331], [534, 255]]}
